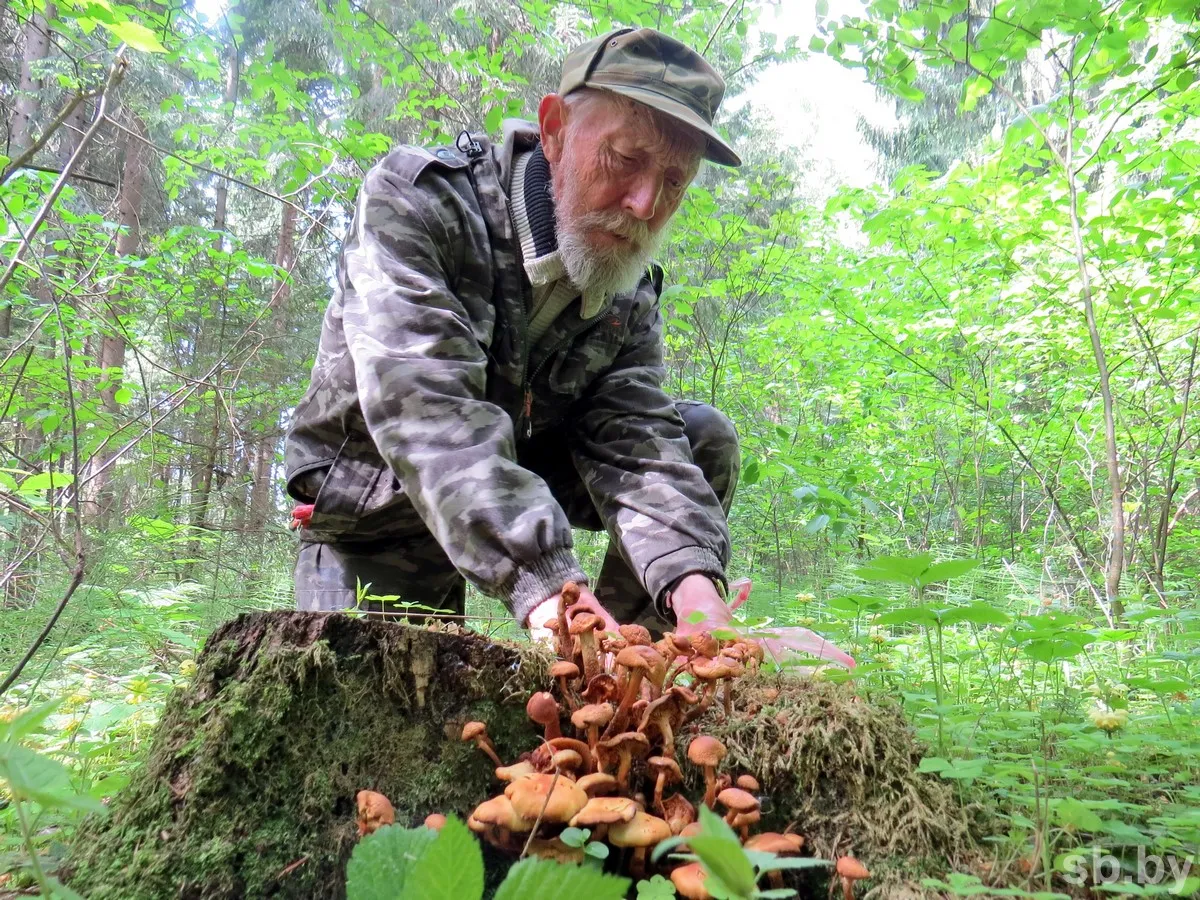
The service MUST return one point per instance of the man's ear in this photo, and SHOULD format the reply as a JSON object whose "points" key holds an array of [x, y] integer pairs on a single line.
{"points": [[552, 120]]}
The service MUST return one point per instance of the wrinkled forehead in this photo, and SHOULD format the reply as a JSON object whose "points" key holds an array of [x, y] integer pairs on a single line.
{"points": [[636, 126]]}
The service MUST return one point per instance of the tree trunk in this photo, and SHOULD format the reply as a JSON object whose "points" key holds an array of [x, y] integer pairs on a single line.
{"points": [[97, 499], [261, 494], [25, 108], [249, 786]]}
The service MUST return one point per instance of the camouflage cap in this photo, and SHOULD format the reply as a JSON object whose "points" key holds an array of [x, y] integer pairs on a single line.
{"points": [[657, 70]]}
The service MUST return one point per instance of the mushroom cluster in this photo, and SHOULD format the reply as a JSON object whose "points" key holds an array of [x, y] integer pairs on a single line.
{"points": [[616, 768]]}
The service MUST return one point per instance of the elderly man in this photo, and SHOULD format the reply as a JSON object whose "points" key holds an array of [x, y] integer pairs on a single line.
{"points": [[490, 368]]}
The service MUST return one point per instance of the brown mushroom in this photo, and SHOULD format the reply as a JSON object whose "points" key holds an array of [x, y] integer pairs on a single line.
{"points": [[498, 820], [584, 626], [592, 718], [601, 689], [597, 783], [641, 833], [556, 850], [601, 812], [689, 881], [542, 708], [707, 752], [679, 812], [564, 670], [665, 771], [567, 761], [771, 842], [744, 821], [374, 811], [566, 743], [477, 732], [636, 635], [625, 745], [552, 798], [850, 870], [515, 771], [435, 821], [662, 714], [748, 783], [637, 662], [737, 802]]}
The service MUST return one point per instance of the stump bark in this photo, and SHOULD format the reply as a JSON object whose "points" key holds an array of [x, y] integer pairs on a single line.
{"points": [[249, 787]]}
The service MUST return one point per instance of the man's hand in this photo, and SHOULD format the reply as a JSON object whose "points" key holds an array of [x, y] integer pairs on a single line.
{"points": [[548, 609], [698, 594]]}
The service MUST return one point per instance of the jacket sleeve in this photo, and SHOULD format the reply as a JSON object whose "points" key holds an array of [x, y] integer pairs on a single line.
{"points": [[418, 319], [631, 451]]}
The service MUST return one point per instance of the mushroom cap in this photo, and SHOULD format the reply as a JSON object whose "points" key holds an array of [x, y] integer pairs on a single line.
{"points": [[704, 644], [585, 622], [632, 658], [556, 850], [604, 811], [542, 708], [738, 800], [435, 821], [602, 688], [735, 667], [691, 828], [636, 634], [685, 694], [706, 751], [711, 669], [689, 881], [797, 840], [597, 783], [566, 759], [771, 842], [849, 867], [598, 714], [564, 668], [658, 764], [631, 741], [515, 771], [746, 819], [679, 812], [529, 797], [499, 811], [374, 811], [643, 830], [569, 592], [473, 730], [748, 783]]}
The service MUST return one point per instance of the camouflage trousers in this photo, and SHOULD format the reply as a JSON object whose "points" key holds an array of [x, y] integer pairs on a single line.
{"points": [[415, 570]]}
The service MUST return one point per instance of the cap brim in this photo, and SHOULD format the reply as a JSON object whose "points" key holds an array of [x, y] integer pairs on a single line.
{"points": [[716, 150]]}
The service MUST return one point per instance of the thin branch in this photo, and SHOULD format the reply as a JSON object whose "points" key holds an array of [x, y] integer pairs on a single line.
{"points": [[115, 73], [21, 159]]}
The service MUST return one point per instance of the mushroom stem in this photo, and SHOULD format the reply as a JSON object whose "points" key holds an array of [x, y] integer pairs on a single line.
{"points": [[563, 638], [623, 769], [587, 649], [631, 692], [658, 792], [847, 888], [485, 744], [728, 698], [776, 878], [710, 786]]}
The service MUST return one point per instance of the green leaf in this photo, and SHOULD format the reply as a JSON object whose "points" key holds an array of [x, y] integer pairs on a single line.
{"points": [[31, 776], [122, 396], [44, 481], [721, 854], [1072, 812], [976, 614], [549, 880], [917, 615], [27, 722], [575, 837], [950, 568], [494, 117], [381, 862], [136, 35], [450, 869]]}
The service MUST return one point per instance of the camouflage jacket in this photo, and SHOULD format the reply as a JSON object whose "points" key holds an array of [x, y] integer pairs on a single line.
{"points": [[424, 385]]}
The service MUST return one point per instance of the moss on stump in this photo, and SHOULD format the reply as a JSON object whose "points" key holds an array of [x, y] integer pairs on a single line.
{"points": [[249, 788]]}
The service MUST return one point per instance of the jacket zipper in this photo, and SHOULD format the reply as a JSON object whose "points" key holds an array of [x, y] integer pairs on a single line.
{"points": [[527, 409]]}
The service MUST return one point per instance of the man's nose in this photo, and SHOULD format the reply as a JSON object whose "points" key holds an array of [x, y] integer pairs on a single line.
{"points": [[641, 199]]}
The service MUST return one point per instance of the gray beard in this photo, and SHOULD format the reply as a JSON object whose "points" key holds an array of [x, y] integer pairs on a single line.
{"points": [[610, 271]]}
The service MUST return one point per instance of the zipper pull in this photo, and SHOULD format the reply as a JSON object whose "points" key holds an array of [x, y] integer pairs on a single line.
{"points": [[527, 413]]}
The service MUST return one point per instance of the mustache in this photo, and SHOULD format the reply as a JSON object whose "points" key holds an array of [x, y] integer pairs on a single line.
{"points": [[633, 230]]}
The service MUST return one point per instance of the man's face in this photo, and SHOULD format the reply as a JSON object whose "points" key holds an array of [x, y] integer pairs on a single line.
{"points": [[617, 181]]}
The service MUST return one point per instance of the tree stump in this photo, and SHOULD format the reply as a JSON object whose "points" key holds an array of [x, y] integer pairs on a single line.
{"points": [[249, 787]]}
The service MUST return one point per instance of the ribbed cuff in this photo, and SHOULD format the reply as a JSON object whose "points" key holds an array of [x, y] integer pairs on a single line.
{"points": [[666, 570], [542, 579]]}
